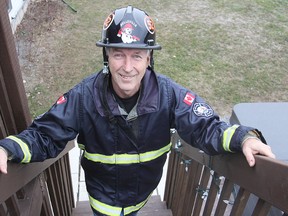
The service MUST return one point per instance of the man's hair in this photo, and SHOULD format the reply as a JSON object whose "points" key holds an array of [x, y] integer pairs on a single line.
{"points": [[107, 49]]}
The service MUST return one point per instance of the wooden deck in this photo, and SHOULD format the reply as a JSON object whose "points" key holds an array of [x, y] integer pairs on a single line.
{"points": [[154, 207]]}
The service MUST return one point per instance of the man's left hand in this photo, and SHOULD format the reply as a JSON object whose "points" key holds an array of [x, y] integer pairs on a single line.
{"points": [[252, 147]]}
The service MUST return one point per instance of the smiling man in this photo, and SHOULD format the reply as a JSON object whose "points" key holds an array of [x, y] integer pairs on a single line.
{"points": [[127, 68], [122, 118]]}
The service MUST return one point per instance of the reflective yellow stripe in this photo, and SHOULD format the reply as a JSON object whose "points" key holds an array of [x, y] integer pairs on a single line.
{"points": [[227, 136], [112, 210], [81, 146], [104, 208], [24, 147], [127, 158], [131, 209], [148, 156]]}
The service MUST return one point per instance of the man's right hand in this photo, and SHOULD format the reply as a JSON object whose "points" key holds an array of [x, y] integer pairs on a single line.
{"points": [[3, 161]]}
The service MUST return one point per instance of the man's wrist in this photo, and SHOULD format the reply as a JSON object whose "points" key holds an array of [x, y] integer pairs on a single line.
{"points": [[6, 152], [249, 135]]}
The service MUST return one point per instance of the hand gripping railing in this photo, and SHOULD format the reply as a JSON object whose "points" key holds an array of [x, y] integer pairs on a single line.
{"points": [[198, 184]]}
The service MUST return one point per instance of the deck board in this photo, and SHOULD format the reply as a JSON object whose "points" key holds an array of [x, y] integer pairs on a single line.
{"points": [[153, 207]]}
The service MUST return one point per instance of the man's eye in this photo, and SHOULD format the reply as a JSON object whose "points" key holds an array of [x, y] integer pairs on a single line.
{"points": [[137, 56], [117, 55]]}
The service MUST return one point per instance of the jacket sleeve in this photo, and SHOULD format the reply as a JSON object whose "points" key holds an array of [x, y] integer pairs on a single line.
{"points": [[198, 124], [49, 133]]}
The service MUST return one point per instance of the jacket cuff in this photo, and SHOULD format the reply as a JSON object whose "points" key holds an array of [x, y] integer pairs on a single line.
{"points": [[240, 136]]}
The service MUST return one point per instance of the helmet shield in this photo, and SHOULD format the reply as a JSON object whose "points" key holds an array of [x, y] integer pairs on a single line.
{"points": [[129, 28]]}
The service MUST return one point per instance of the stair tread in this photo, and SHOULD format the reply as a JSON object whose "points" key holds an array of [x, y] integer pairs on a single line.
{"points": [[153, 207], [162, 212]]}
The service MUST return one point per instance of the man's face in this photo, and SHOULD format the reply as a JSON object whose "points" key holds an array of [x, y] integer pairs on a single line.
{"points": [[127, 68]]}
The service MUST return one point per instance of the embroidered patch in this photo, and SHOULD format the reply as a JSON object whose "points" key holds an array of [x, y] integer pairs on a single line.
{"points": [[189, 98], [149, 23], [126, 32], [108, 21], [61, 100], [203, 109]]}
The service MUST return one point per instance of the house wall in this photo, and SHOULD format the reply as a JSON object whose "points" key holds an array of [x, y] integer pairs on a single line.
{"points": [[17, 12]]}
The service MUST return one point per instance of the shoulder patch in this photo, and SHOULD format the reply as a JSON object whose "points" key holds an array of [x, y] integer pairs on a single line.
{"points": [[203, 109], [189, 98], [61, 100]]}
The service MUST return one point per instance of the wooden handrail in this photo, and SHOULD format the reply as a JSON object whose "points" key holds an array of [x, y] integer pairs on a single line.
{"points": [[50, 179], [21, 174], [191, 170]]}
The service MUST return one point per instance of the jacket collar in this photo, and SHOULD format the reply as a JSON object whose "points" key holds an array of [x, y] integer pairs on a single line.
{"points": [[147, 103]]}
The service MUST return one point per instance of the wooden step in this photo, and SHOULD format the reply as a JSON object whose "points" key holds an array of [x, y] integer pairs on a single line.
{"points": [[154, 207]]}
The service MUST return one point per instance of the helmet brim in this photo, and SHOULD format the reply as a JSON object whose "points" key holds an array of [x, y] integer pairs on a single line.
{"points": [[129, 46]]}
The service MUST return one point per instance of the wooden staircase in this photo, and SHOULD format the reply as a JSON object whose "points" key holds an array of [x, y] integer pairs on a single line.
{"points": [[153, 207]]}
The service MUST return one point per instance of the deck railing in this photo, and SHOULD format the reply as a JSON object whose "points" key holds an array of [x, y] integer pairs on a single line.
{"points": [[43, 188], [198, 184]]}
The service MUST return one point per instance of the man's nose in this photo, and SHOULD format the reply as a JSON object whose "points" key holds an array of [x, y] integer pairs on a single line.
{"points": [[128, 65]]}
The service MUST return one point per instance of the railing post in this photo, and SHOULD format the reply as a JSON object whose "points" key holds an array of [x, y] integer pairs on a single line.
{"points": [[46, 204], [14, 106], [13, 205]]}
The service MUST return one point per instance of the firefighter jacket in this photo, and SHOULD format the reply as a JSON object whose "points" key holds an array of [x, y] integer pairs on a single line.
{"points": [[124, 153]]}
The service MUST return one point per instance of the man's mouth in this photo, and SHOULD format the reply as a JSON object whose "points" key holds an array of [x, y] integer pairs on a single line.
{"points": [[127, 77]]}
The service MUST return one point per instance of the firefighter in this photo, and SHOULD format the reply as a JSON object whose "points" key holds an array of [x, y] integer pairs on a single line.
{"points": [[122, 116]]}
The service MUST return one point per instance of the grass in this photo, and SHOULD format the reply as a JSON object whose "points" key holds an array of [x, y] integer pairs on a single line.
{"points": [[227, 51]]}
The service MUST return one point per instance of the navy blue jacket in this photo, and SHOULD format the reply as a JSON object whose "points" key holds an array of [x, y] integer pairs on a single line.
{"points": [[124, 153]]}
